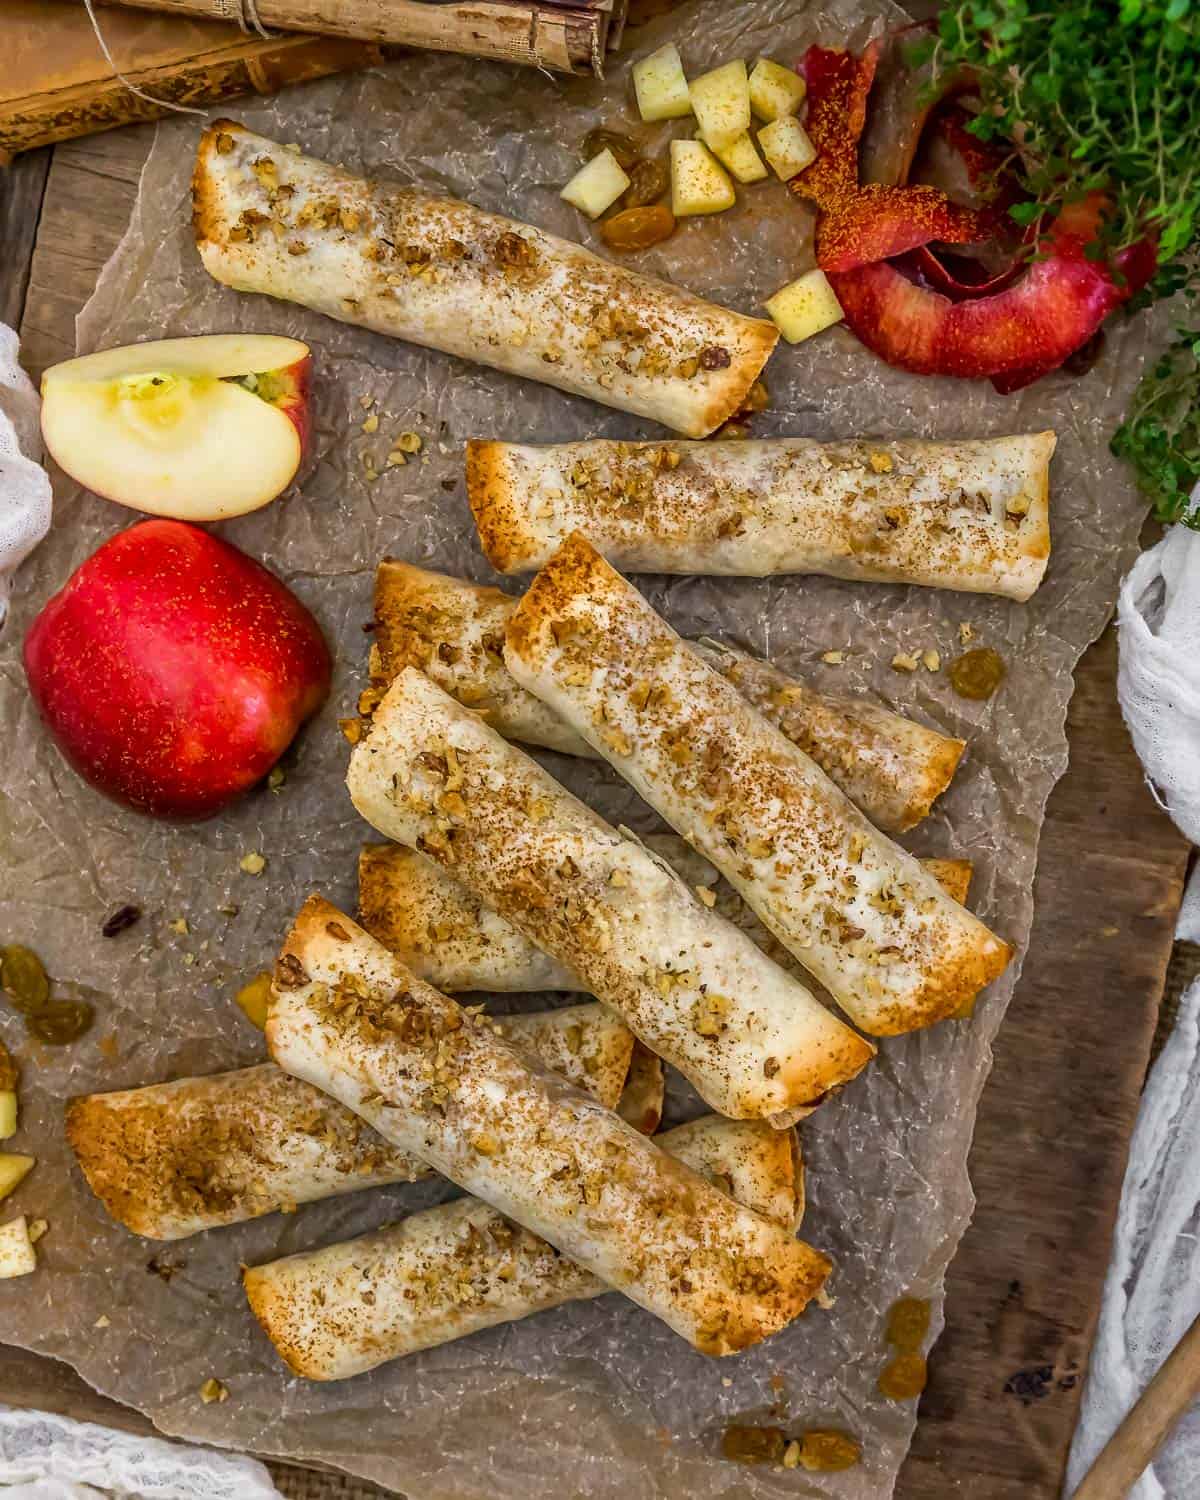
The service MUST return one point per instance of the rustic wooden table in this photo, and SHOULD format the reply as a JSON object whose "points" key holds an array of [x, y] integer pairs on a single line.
{"points": [[1051, 1139]]}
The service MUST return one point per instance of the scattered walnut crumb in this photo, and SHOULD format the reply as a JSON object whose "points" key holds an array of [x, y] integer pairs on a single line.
{"points": [[396, 459], [36, 1230], [707, 895], [408, 442], [276, 779], [252, 864], [371, 423], [103, 1321], [726, 1382], [213, 1390], [823, 1299], [833, 658], [931, 660], [791, 1455], [366, 402], [905, 661], [189, 959], [965, 633], [179, 925]]}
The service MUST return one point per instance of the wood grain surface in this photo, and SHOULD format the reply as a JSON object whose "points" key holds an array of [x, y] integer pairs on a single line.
{"points": [[1054, 1124]]}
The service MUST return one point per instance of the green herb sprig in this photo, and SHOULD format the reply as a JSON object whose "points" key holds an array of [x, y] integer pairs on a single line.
{"points": [[1160, 436], [1104, 95], [1095, 95]]}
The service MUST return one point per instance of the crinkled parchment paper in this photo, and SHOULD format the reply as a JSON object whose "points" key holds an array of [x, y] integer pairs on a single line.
{"points": [[597, 1401]]}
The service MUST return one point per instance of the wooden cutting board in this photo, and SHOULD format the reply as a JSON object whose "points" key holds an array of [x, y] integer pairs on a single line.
{"points": [[1054, 1125]]}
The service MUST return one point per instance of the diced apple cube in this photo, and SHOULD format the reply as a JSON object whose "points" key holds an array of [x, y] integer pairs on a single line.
{"points": [[786, 146], [13, 1170], [699, 183], [16, 1251], [804, 307], [597, 185], [721, 100], [775, 91], [661, 85], [8, 1113], [741, 158]]}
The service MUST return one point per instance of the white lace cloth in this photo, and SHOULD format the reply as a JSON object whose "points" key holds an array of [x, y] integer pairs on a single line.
{"points": [[24, 484], [1152, 1294], [51, 1458]]}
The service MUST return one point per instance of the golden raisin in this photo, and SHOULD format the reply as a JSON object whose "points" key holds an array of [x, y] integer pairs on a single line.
{"points": [[904, 1378], [61, 1021], [825, 1452], [648, 181], [754, 1445], [977, 674], [23, 979], [638, 228], [254, 999], [908, 1323], [621, 146]]}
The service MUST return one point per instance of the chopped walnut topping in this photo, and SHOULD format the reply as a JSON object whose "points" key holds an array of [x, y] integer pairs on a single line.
{"points": [[213, 1390], [905, 661], [715, 357], [707, 895], [266, 171], [833, 658], [253, 863], [371, 423], [407, 442], [708, 1015], [965, 633], [931, 660]]}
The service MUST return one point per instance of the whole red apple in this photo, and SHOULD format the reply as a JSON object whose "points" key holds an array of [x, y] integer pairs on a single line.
{"points": [[173, 670]]}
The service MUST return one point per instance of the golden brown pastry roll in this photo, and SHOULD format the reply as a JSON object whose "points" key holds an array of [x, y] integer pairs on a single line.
{"points": [[436, 1080], [971, 515], [174, 1158], [752, 1040], [891, 767], [452, 939], [455, 1269], [894, 951], [438, 272]]}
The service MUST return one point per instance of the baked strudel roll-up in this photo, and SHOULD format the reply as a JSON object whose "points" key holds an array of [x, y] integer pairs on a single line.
{"points": [[439, 272], [752, 1039], [861, 915], [970, 515], [436, 1080], [461, 1267], [448, 936], [174, 1158], [892, 767]]}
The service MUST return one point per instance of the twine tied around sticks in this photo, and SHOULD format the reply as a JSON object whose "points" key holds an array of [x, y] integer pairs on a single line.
{"points": [[244, 12]]}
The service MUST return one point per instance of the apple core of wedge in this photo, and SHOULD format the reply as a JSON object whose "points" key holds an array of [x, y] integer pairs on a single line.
{"points": [[197, 429]]}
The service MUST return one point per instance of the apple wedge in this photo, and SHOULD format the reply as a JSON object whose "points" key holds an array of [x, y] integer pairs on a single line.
{"points": [[197, 429]]}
